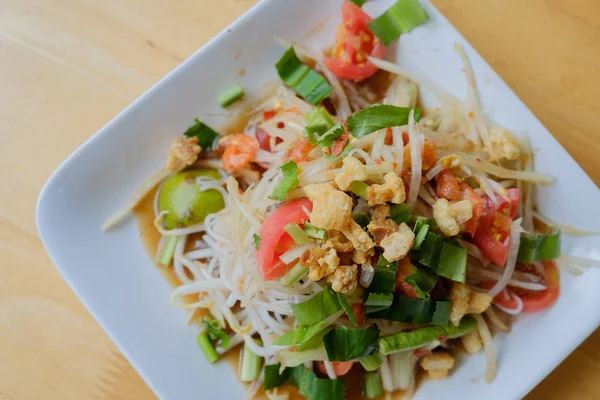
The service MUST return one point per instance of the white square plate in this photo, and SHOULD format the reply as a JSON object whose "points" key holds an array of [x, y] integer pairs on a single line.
{"points": [[115, 278]]}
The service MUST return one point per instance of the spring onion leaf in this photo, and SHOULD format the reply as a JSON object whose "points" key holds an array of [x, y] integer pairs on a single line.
{"points": [[294, 275], [377, 301], [347, 308], [304, 337], [215, 332], [373, 385], [288, 182], [206, 347], [539, 248], [398, 19], [360, 189], [441, 316], [345, 344], [431, 248], [314, 232], [453, 262], [205, 134], [363, 220], [372, 362], [420, 236], [230, 95], [310, 85], [317, 308], [422, 336], [400, 213], [166, 254], [423, 281], [300, 237], [404, 309], [256, 241], [377, 117], [251, 363], [318, 121], [384, 279], [314, 388], [273, 378]]}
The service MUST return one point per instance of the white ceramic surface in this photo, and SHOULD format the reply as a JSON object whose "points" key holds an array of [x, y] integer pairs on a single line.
{"points": [[116, 280]]}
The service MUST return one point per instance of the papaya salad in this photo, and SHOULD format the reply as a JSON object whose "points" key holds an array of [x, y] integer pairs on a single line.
{"points": [[344, 228]]}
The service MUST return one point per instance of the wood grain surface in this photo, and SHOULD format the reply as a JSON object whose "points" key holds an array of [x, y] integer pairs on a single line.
{"points": [[68, 66]]}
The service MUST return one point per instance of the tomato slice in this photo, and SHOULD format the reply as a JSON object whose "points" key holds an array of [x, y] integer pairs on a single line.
{"points": [[405, 268], [340, 368], [478, 204], [274, 240], [354, 42], [508, 206], [447, 185], [493, 236], [299, 151], [533, 300]]}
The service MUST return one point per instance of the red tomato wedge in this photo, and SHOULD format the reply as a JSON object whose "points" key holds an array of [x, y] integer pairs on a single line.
{"points": [[508, 206], [340, 368], [533, 300], [275, 241], [447, 185], [478, 204], [354, 42], [493, 236]]}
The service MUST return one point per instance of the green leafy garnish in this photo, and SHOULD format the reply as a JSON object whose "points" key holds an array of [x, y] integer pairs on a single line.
{"points": [[423, 281], [378, 117], [539, 248], [318, 121], [230, 95], [384, 278], [347, 308], [398, 19], [431, 248], [273, 378], [256, 241], [205, 134], [452, 263], [314, 388], [345, 344], [363, 220], [421, 336], [420, 235], [288, 182], [405, 309], [216, 332], [441, 316], [377, 301], [310, 85], [317, 308], [372, 362], [399, 213]]}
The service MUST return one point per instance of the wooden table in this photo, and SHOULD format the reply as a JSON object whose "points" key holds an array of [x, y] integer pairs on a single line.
{"points": [[68, 66]]}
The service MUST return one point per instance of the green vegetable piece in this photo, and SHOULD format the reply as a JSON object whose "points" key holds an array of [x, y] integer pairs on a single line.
{"points": [[453, 262], [399, 213], [431, 248], [441, 316], [384, 278], [377, 117], [288, 182], [347, 308], [300, 237], [256, 241], [360, 189], [539, 248], [229, 96], [327, 138], [404, 309], [345, 344], [377, 301], [205, 134], [310, 85], [423, 281], [314, 232], [273, 378], [184, 200], [215, 332], [422, 336], [317, 308], [400, 18], [420, 236], [166, 255], [206, 347], [314, 388], [373, 385], [372, 362], [294, 275], [363, 220], [318, 121], [251, 363]]}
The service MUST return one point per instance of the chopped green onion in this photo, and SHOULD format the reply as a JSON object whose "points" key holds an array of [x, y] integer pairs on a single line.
{"points": [[363, 220], [399, 213], [230, 95], [421, 336], [398, 19], [347, 308], [539, 248], [372, 362], [401, 368], [317, 308], [288, 182], [305, 337], [273, 378], [300, 237], [345, 344], [215, 332], [205, 134], [314, 232], [314, 388], [373, 385], [378, 301], [360, 189], [318, 121], [206, 347], [423, 281], [384, 278], [294, 275], [453, 262], [431, 248], [256, 241], [327, 138], [405, 309], [420, 236], [310, 85], [377, 117], [251, 363], [441, 316], [166, 254]]}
